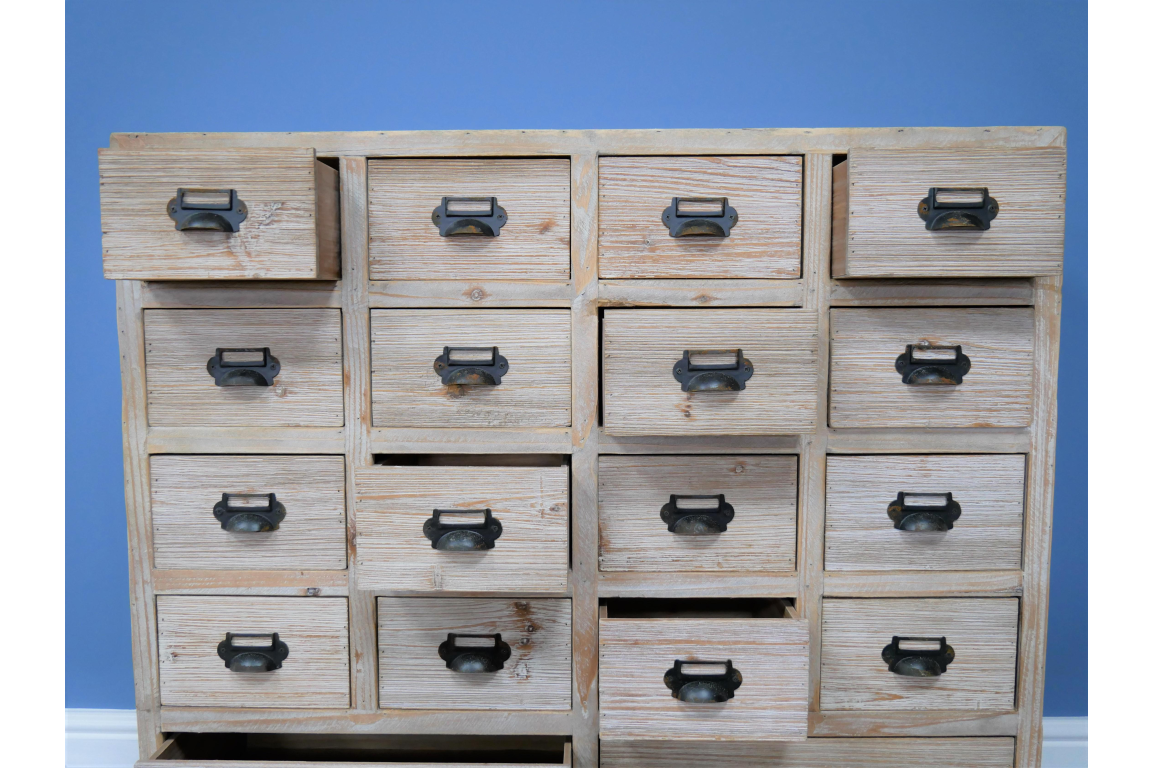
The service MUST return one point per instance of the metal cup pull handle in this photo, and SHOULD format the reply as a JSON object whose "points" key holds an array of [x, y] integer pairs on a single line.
{"points": [[471, 366], [243, 367], [924, 511], [927, 365], [958, 208], [703, 682], [244, 512], [908, 662], [462, 536], [215, 210], [697, 515], [693, 216], [469, 216], [727, 376], [252, 658], [476, 654]]}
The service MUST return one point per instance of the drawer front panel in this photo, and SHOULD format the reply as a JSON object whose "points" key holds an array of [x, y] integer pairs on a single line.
{"points": [[533, 242], [536, 674], [642, 349], [291, 229], [308, 388], [535, 390], [760, 536], [393, 504], [309, 489], [867, 389], [763, 243], [814, 753], [886, 236], [861, 534], [981, 631], [314, 673], [771, 655]]}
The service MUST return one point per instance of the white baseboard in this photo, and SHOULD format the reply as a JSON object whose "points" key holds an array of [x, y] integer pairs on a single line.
{"points": [[106, 738]]}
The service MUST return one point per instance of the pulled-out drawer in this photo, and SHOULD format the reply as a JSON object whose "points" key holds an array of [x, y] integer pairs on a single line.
{"points": [[248, 512], [697, 513], [709, 371], [219, 214], [253, 651], [970, 212], [466, 653], [244, 367], [914, 654]]}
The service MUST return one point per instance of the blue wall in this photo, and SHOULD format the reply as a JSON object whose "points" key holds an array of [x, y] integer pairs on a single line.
{"points": [[349, 66]]}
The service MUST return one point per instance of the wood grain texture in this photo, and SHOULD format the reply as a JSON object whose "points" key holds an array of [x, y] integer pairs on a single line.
{"points": [[405, 244], [923, 584], [813, 753], [185, 533], [761, 490], [272, 583], [887, 238], [859, 535], [538, 676], [996, 292], [932, 723], [866, 390], [764, 242], [535, 392], [315, 674], [690, 293], [306, 392], [531, 503], [981, 630], [642, 346], [698, 584], [771, 703], [277, 240], [435, 722]]}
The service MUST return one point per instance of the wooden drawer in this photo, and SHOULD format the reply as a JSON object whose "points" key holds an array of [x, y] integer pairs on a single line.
{"points": [[536, 673], [192, 671], [863, 513], [642, 350], [288, 201], [188, 492], [396, 525], [532, 241], [878, 229], [535, 389], [981, 632], [637, 656], [764, 242], [867, 389], [813, 753], [307, 388], [635, 498]]}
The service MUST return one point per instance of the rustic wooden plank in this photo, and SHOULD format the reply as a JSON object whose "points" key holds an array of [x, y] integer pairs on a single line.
{"points": [[715, 444], [935, 724], [241, 439], [699, 584], [920, 440], [468, 294], [923, 584], [384, 721], [973, 292], [232, 294], [700, 293], [451, 440], [271, 583]]}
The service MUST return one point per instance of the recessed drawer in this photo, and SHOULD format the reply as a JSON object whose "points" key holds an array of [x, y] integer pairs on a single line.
{"points": [[469, 219], [471, 368], [244, 367], [462, 528], [911, 654], [253, 651], [722, 674], [748, 371], [949, 213], [697, 513], [222, 214], [248, 512], [931, 367], [945, 513], [463, 653], [700, 217]]}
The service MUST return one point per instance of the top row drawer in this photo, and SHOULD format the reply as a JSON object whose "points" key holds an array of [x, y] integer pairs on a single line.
{"points": [[274, 214]]}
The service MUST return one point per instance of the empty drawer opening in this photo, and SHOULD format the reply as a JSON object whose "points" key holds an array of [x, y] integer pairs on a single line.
{"points": [[697, 608], [471, 460]]}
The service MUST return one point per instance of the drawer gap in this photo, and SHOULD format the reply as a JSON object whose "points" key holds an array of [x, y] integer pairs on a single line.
{"points": [[471, 460], [696, 608]]}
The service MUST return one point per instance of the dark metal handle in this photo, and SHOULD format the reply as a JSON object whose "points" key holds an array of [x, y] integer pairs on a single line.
{"points": [[928, 663], [958, 208], [462, 537], [469, 216], [697, 688], [474, 658], [252, 658], [710, 216], [723, 377], [471, 366], [243, 367], [239, 517], [217, 210], [925, 370], [695, 516], [921, 516]]}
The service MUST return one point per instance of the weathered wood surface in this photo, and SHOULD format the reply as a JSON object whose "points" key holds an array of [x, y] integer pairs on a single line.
{"points": [[923, 584], [934, 723], [435, 722], [692, 293], [999, 292], [698, 584], [274, 583]]}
